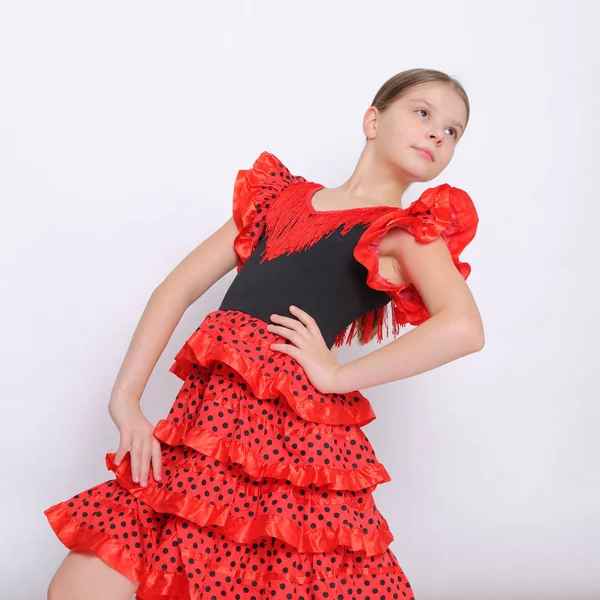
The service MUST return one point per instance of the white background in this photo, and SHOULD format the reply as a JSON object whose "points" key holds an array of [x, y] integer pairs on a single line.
{"points": [[122, 127]]}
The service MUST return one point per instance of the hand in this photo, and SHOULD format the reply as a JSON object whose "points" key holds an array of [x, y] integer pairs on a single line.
{"points": [[308, 348], [136, 431]]}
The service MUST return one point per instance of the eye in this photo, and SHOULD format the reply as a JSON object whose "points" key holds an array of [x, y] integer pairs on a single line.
{"points": [[454, 134]]}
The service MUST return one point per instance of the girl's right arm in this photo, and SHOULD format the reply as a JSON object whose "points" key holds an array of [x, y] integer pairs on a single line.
{"points": [[189, 280]]}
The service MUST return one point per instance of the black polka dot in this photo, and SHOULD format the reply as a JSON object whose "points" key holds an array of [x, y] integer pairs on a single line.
{"points": [[250, 488]]}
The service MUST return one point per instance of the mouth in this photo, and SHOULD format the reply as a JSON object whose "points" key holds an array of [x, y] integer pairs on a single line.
{"points": [[424, 152]]}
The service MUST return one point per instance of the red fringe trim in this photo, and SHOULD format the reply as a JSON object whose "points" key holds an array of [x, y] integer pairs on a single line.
{"points": [[368, 327], [269, 196], [293, 226]]}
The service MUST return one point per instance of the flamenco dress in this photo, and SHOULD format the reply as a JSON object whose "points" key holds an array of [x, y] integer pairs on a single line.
{"points": [[267, 482]]}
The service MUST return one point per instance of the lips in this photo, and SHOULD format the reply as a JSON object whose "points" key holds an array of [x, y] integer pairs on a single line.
{"points": [[424, 152]]}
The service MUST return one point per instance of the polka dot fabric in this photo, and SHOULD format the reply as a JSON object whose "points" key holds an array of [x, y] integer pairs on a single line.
{"points": [[266, 489]]}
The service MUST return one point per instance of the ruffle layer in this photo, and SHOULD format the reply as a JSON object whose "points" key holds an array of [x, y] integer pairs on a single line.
{"points": [[254, 189], [317, 526], [216, 575], [267, 566], [77, 536], [176, 586], [220, 432], [218, 338], [303, 538], [444, 211], [231, 450]]}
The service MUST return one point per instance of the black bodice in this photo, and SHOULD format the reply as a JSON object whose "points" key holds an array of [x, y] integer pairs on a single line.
{"points": [[326, 281]]}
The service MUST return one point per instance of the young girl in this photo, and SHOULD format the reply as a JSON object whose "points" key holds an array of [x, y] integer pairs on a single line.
{"points": [[258, 483]]}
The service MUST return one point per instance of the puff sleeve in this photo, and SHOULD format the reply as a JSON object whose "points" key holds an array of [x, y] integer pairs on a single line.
{"points": [[444, 211], [254, 191]]}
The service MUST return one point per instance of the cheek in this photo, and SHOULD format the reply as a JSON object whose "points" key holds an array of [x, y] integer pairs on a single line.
{"points": [[402, 138], [448, 154], [442, 162]]}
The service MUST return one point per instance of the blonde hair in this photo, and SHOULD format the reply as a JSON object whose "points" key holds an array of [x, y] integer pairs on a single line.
{"points": [[400, 84]]}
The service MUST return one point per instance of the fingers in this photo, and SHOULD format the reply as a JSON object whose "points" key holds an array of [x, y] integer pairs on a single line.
{"points": [[289, 323], [288, 349], [145, 450], [136, 458], [156, 458], [123, 447], [289, 334], [145, 462], [304, 324], [137, 438], [306, 319]]}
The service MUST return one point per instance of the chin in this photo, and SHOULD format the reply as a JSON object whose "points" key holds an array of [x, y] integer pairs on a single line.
{"points": [[418, 173]]}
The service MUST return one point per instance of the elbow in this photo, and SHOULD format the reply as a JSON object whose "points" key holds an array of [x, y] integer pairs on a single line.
{"points": [[469, 325], [463, 332], [466, 330], [478, 341], [473, 334]]}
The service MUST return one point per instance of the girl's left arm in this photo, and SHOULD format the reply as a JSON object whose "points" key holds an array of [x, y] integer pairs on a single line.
{"points": [[454, 329]]}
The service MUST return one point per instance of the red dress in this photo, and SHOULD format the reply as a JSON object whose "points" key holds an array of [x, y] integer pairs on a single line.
{"points": [[267, 483]]}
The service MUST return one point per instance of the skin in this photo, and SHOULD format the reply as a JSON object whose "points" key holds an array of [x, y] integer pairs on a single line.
{"points": [[388, 164], [429, 116], [386, 168]]}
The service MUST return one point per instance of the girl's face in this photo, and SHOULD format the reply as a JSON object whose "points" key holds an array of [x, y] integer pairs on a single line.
{"points": [[431, 116]]}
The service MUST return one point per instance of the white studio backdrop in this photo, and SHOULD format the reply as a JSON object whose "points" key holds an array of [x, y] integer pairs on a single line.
{"points": [[122, 127]]}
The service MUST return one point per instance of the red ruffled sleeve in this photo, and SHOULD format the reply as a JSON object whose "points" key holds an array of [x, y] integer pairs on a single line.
{"points": [[444, 211], [254, 191]]}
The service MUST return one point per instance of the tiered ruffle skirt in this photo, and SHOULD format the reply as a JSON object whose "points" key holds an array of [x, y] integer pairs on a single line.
{"points": [[266, 487]]}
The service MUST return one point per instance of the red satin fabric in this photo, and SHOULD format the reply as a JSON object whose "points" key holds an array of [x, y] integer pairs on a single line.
{"points": [[246, 529], [268, 194], [254, 191], [266, 490], [289, 380], [443, 211], [267, 483]]}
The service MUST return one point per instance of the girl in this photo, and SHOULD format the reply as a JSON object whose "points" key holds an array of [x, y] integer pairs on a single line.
{"points": [[259, 481]]}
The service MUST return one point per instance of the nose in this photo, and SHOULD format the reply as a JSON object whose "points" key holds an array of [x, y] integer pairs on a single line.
{"points": [[437, 137]]}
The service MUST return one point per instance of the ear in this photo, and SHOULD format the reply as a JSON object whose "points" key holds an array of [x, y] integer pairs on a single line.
{"points": [[370, 122]]}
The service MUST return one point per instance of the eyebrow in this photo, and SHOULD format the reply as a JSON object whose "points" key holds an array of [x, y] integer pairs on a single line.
{"points": [[435, 108]]}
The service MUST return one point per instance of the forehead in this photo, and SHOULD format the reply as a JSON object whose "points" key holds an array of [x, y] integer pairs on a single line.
{"points": [[431, 90], [439, 97]]}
